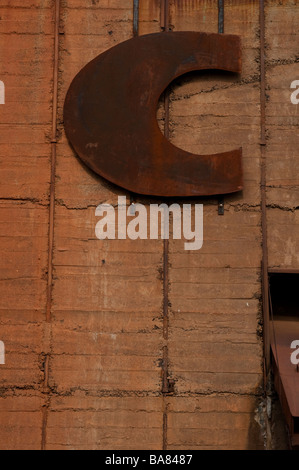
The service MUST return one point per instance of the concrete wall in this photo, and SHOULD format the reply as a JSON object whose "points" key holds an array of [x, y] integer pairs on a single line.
{"points": [[89, 374]]}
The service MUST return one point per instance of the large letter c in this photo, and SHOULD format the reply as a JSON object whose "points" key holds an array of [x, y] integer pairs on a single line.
{"points": [[110, 115]]}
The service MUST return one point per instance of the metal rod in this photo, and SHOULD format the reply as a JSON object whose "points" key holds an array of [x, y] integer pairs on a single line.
{"points": [[221, 30], [135, 17], [164, 20], [221, 205], [135, 33], [220, 16], [263, 75]]}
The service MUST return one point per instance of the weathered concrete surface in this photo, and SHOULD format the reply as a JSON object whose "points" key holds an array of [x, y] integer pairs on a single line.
{"points": [[26, 43], [283, 137], [91, 378]]}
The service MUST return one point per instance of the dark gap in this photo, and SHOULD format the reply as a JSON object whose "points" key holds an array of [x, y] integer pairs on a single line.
{"points": [[284, 294]]}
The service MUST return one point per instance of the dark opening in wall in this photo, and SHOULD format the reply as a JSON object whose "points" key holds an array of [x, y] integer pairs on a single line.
{"points": [[284, 291]]}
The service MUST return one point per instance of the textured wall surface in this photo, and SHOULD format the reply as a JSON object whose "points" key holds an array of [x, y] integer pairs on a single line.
{"points": [[282, 133], [82, 319]]}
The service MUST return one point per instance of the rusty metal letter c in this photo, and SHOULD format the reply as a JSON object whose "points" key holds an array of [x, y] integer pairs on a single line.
{"points": [[110, 115]]}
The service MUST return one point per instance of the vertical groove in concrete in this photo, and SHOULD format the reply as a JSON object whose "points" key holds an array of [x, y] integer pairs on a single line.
{"points": [[51, 218], [165, 27], [265, 284], [265, 281], [53, 161]]}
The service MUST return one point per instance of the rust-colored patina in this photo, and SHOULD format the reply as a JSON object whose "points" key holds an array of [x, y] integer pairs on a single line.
{"points": [[110, 115], [286, 374]]}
